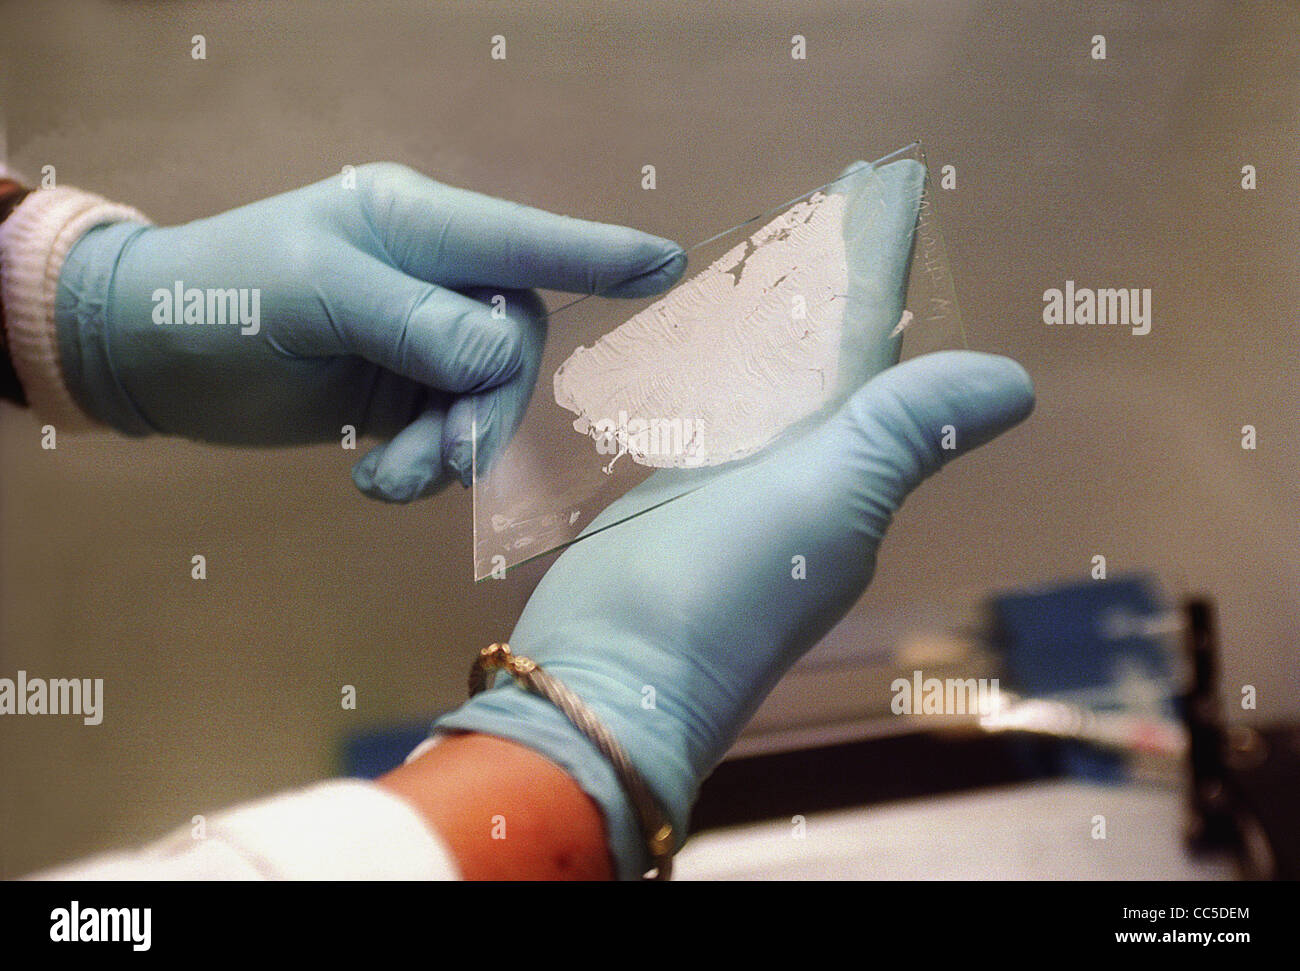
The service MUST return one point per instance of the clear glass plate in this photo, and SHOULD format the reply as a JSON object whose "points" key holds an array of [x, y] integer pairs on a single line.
{"points": [[796, 308]]}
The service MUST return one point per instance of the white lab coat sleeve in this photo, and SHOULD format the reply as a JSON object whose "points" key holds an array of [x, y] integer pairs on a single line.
{"points": [[338, 830]]}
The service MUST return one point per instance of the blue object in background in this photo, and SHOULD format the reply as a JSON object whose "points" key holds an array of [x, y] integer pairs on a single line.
{"points": [[1070, 638], [1074, 642]]}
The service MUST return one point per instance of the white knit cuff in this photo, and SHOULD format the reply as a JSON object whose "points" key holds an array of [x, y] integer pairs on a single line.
{"points": [[34, 241]]}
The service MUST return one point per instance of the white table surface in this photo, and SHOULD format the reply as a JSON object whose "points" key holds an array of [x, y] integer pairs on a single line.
{"points": [[1038, 831]]}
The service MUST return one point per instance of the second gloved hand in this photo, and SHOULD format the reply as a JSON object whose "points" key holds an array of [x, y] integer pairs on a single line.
{"points": [[396, 305], [675, 624]]}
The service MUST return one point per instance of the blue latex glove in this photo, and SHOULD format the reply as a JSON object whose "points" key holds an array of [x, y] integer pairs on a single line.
{"points": [[696, 598], [881, 206], [374, 311]]}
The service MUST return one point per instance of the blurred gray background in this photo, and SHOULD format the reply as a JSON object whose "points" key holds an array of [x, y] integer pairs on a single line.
{"points": [[1119, 173]]}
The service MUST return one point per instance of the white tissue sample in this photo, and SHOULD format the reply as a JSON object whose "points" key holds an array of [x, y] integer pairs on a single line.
{"points": [[727, 360]]}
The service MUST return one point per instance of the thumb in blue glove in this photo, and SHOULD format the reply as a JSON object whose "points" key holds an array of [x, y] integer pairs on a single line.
{"points": [[397, 306], [695, 598]]}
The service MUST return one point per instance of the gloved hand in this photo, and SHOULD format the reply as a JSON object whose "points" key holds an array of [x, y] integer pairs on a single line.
{"points": [[696, 600], [373, 309]]}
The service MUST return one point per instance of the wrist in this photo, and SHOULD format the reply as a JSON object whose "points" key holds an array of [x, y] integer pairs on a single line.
{"points": [[651, 721], [82, 309], [654, 732], [508, 712], [504, 811], [34, 243]]}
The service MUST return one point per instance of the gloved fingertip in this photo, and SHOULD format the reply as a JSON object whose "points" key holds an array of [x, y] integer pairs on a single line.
{"points": [[399, 485], [363, 472], [1020, 386], [903, 173], [399, 488], [853, 167], [664, 263], [672, 267], [669, 256], [1000, 385], [460, 464], [980, 395]]}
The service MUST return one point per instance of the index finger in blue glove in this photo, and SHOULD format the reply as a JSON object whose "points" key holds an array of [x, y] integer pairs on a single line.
{"points": [[460, 238]]}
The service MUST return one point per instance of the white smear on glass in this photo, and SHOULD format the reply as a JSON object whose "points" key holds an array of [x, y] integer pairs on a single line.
{"points": [[729, 359]]}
